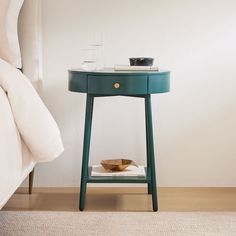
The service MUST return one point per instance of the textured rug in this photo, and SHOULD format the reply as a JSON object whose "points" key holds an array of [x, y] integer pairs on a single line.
{"points": [[117, 223]]}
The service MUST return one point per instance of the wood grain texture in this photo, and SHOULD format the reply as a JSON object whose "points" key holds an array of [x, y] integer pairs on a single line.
{"points": [[124, 199]]}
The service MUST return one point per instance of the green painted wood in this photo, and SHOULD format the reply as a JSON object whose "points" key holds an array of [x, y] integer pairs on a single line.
{"points": [[147, 149], [131, 82], [117, 179], [134, 84], [148, 109], [159, 83], [78, 82], [86, 147], [128, 84]]}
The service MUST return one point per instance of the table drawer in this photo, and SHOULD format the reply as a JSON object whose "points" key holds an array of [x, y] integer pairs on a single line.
{"points": [[107, 84]]}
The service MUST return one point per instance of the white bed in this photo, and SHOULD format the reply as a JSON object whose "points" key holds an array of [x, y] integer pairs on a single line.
{"points": [[16, 162], [16, 128]]}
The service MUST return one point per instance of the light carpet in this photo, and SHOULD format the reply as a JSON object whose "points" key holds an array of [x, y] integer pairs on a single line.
{"points": [[14, 223]]}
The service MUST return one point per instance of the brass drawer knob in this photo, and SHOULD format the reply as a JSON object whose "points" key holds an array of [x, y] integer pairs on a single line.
{"points": [[116, 85]]}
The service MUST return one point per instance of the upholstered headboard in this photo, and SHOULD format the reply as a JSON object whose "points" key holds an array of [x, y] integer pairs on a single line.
{"points": [[29, 31]]}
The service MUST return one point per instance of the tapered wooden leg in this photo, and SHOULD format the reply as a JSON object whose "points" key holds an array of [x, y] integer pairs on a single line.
{"points": [[151, 151], [31, 181], [86, 147], [147, 151]]}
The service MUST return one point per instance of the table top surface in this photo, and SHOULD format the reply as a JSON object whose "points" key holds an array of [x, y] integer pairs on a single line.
{"points": [[111, 71]]}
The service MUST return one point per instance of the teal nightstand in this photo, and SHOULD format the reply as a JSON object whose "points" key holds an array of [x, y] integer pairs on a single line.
{"points": [[108, 82]]}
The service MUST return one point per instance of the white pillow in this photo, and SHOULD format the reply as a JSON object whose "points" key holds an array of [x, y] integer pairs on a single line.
{"points": [[35, 124], [12, 33], [4, 45], [9, 43]]}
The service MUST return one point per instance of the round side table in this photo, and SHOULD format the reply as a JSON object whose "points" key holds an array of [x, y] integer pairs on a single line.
{"points": [[107, 82]]}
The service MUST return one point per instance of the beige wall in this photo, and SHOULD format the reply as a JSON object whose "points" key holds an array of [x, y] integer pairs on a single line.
{"points": [[194, 124]]}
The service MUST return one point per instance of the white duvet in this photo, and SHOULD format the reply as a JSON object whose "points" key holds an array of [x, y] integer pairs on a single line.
{"points": [[33, 122]]}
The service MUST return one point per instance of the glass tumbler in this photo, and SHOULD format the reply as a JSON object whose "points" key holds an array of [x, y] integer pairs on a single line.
{"points": [[89, 59], [97, 43]]}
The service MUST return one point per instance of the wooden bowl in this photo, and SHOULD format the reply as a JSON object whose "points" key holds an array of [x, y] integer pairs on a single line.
{"points": [[116, 164]]}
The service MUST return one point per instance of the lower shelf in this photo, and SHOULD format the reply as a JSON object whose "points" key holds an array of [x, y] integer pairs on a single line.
{"points": [[117, 179]]}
